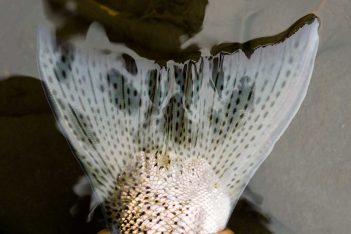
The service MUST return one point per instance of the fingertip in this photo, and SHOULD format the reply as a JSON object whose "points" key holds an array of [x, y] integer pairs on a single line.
{"points": [[226, 231], [103, 232]]}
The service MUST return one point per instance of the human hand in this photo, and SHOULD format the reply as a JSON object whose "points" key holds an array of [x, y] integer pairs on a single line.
{"points": [[226, 231]]}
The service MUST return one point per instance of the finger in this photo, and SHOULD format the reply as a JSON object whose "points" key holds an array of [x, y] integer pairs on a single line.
{"points": [[226, 231], [103, 232]]}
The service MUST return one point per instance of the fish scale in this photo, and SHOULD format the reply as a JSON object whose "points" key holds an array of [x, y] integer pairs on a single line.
{"points": [[170, 148]]}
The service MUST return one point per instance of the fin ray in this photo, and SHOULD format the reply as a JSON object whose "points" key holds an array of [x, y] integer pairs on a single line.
{"points": [[229, 109]]}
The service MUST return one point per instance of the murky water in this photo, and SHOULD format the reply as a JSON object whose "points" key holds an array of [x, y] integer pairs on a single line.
{"points": [[303, 185]]}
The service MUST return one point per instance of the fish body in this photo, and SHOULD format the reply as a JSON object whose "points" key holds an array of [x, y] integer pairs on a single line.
{"points": [[165, 193], [170, 148]]}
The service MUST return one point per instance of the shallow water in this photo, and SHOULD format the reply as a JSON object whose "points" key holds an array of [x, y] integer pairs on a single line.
{"points": [[304, 184]]}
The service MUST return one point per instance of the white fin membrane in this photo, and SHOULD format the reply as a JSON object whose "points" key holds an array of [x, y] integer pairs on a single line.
{"points": [[227, 110]]}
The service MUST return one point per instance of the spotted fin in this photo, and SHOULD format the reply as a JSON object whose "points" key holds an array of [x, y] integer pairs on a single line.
{"points": [[229, 108]]}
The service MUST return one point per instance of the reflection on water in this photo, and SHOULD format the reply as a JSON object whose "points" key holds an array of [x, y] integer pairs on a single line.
{"points": [[151, 28]]}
